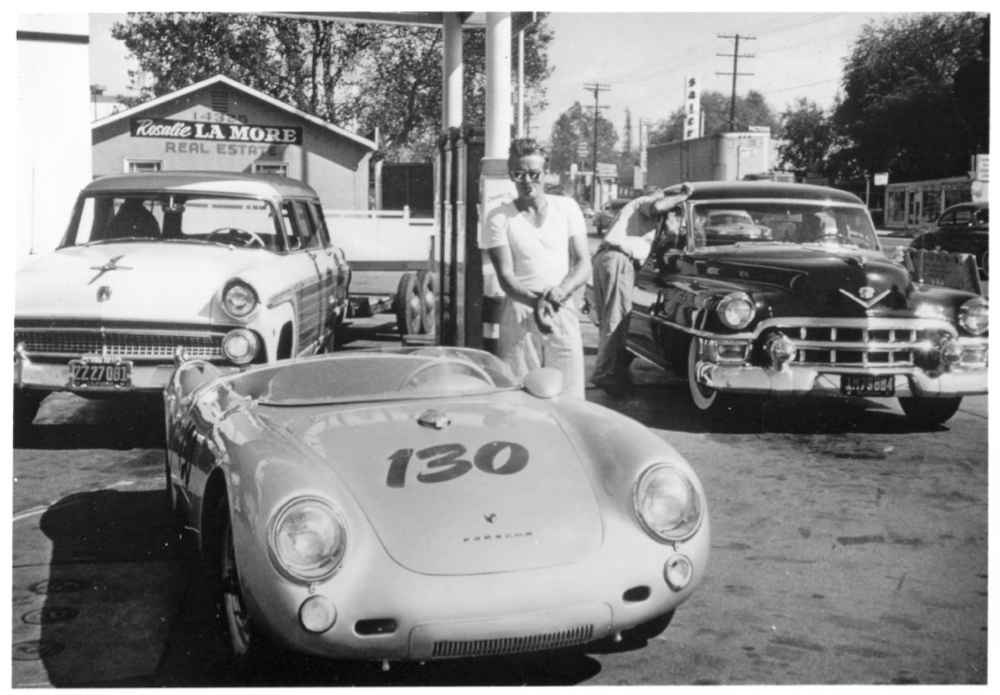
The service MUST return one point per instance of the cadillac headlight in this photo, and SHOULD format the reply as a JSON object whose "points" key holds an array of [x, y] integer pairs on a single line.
{"points": [[736, 310], [974, 316], [307, 540], [239, 299], [667, 503]]}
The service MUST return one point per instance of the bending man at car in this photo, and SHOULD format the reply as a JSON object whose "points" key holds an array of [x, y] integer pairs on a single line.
{"points": [[623, 251], [538, 245]]}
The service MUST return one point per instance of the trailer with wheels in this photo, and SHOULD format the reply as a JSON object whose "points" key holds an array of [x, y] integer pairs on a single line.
{"points": [[392, 259]]}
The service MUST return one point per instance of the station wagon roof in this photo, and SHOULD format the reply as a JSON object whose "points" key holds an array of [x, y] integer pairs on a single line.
{"points": [[769, 190], [264, 185]]}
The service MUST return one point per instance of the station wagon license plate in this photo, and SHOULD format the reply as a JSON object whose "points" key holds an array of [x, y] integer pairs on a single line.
{"points": [[100, 374], [866, 385]]}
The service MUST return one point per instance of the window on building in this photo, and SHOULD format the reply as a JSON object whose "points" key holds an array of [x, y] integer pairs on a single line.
{"points": [[138, 166], [280, 168]]}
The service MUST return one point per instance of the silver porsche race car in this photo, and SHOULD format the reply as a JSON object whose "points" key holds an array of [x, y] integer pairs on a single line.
{"points": [[421, 503]]}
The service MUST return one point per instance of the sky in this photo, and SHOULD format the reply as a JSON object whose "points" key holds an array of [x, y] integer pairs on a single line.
{"points": [[644, 57]]}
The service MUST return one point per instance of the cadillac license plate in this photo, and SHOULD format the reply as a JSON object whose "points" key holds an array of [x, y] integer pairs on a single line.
{"points": [[87, 373], [867, 385]]}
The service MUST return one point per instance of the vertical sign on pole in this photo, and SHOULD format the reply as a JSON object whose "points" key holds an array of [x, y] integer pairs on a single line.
{"points": [[692, 108]]}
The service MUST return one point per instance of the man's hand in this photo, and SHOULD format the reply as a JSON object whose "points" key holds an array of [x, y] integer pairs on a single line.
{"points": [[545, 310]]}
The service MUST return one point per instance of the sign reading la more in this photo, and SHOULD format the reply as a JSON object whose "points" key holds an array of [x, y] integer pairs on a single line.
{"points": [[219, 132]]}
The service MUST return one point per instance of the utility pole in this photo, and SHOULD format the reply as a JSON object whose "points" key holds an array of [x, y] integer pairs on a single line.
{"points": [[736, 57], [596, 89]]}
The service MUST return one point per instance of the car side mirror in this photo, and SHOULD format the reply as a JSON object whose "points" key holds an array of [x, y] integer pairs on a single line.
{"points": [[545, 382]]}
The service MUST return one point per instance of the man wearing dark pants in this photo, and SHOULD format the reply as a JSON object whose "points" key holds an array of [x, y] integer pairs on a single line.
{"points": [[623, 251]]}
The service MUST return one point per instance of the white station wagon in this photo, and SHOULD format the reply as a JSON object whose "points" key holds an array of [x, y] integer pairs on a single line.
{"points": [[231, 268]]}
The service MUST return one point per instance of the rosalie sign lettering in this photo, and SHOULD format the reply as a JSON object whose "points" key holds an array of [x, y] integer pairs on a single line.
{"points": [[218, 132]]}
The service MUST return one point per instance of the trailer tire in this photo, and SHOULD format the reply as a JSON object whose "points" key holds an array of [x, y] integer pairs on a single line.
{"points": [[427, 290], [407, 305]]}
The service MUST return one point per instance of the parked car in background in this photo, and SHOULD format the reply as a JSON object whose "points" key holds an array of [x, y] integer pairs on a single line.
{"points": [[421, 503], [235, 269], [605, 217], [806, 305], [962, 228]]}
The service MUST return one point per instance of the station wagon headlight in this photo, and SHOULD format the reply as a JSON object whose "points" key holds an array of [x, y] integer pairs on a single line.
{"points": [[736, 310], [239, 299], [974, 316], [240, 346], [307, 540], [667, 503]]}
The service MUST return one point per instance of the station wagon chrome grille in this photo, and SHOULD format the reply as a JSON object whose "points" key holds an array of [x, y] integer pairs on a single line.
{"points": [[861, 346], [514, 645], [128, 344]]}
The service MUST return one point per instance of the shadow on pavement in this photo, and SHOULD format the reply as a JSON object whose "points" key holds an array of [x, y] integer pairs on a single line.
{"points": [[66, 421]]}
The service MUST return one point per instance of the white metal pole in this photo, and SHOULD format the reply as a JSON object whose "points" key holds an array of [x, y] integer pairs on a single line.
{"points": [[520, 84], [451, 116], [498, 115]]}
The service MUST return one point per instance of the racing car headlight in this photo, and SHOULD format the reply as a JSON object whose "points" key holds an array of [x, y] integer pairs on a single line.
{"points": [[736, 310], [240, 346], [307, 540], [974, 316], [239, 299], [667, 503]]}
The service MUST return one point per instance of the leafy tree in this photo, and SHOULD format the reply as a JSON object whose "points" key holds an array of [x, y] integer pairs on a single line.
{"points": [[361, 76], [808, 135], [576, 125], [751, 110], [900, 110]]}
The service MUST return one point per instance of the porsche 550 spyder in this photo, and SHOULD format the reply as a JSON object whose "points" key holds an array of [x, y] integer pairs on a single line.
{"points": [[421, 503]]}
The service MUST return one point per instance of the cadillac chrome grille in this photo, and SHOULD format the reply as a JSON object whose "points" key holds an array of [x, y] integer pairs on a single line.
{"points": [[860, 346], [137, 344], [514, 645]]}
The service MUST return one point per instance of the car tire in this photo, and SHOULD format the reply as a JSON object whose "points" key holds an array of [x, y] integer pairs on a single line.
{"points": [[984, 264], [705, 399], [407, 305], [249, 649], [929, 411], [427, 291]]}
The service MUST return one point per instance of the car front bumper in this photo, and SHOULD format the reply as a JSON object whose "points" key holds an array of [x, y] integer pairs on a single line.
{"points": [[813, 380], [55, 376]]}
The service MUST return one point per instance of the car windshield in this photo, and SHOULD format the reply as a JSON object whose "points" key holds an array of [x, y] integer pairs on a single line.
{"points": [[378, 375], [168, 217], [768, 222]]}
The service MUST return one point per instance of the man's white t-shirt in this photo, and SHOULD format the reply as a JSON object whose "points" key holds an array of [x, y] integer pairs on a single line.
{"points": [[541, 254]]}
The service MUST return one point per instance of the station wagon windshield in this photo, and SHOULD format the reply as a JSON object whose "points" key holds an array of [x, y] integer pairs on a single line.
{"points": [[766, 222], [168, 217]]}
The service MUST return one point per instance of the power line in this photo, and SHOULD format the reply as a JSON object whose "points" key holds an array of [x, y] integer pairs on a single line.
{"points": [[736, 58]]}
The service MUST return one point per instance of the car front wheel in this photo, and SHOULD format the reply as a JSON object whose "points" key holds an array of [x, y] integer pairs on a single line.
{"points": [[250, 649], [929, 411], [705, 398]]}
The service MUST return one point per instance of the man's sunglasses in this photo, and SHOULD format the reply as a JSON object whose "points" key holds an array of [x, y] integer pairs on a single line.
{"points": [[521, 176]]}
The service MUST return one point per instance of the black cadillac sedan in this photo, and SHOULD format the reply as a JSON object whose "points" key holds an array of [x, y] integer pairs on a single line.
{"points": [[801, 302]]}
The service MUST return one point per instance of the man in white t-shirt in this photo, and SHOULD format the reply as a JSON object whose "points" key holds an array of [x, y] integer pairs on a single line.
{"points": [[623, 251], [538, 246]]}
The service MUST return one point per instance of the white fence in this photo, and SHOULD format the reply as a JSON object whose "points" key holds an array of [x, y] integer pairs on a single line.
{"points": [[389, 238]]}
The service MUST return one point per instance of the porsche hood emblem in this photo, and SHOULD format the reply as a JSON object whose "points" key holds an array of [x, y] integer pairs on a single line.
{"points": [[866, 296]]}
